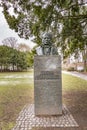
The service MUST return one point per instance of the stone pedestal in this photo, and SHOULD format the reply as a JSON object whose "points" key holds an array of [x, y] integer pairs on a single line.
{"points": [[47, 85]]}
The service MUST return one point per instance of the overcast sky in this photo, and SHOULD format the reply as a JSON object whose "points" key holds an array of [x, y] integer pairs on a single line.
{"points": [[6, 32]]}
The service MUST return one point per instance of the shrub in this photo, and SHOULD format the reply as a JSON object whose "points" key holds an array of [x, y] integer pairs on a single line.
{"points": [[71, 69]]}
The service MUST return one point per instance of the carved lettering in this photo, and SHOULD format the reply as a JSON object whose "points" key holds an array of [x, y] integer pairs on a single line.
{"points": [[46, 75]]}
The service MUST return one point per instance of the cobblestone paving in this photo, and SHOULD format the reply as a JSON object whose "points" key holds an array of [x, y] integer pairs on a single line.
{"points": [[27, 119]]}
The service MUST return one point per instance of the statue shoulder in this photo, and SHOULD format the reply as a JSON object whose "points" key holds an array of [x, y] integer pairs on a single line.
{"points": [[54, 50], [39, 47], [39, 50]]}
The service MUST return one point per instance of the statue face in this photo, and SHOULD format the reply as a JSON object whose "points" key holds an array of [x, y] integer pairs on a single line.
{"points": [[47, 39]]}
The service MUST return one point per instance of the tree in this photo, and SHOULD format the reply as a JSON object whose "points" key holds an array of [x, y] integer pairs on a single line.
{"points": [[29, 58], [23, 47], [11, 42], [84, 54], [66, 19], [14, 59], [4, 58]]}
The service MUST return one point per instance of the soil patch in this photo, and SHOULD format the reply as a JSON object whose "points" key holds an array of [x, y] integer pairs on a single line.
{"points": [[77, 104]]}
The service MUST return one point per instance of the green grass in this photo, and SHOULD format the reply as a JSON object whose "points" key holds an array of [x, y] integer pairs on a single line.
{"points": [[16, 90], [72, 83]]}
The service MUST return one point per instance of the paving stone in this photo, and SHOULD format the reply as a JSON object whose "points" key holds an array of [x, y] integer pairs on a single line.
{"points": [[27, 119]]}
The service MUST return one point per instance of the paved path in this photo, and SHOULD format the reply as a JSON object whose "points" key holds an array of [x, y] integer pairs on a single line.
{"points": [[27, 120], [77, 74], [49, 128]]}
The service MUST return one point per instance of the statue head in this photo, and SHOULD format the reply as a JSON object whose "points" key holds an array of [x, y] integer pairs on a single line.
{"points": [[47, 47], [47, 39]]}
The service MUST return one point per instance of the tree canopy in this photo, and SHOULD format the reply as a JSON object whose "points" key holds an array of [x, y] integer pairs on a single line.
{"points": [[66, 19], [11, 42], [15, 56]]}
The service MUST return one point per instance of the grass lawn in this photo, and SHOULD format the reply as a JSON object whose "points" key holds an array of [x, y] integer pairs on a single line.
{"points": [[72, 83], [16, 90]]}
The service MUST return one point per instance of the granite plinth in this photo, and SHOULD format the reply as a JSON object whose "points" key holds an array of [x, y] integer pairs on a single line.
{"points": [[47, 85]]}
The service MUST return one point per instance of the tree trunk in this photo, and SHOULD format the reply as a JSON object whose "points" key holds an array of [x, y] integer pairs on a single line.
{"points": [[84, 54], [85, 67], [13, 67], [1, 68]]}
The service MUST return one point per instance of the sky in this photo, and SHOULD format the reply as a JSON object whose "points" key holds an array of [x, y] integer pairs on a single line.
{"points": [[6, 32]]}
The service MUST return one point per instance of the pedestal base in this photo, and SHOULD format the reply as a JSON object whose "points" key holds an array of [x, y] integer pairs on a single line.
{"points": [[47, 85]]}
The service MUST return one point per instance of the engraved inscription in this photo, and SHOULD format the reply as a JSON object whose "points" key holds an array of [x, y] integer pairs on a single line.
{"points": [[47, 75]]}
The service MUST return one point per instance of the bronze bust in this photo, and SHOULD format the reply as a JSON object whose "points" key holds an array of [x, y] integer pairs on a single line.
{"points": [[47, 47]]}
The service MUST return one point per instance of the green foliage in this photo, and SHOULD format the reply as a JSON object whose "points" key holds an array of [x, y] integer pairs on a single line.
{"points": [[29, 59], [71, 69], [14, 59], [66, 19], [11, 20]]}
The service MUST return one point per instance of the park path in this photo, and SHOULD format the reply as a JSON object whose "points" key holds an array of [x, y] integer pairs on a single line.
{"points": [[77, 74]]}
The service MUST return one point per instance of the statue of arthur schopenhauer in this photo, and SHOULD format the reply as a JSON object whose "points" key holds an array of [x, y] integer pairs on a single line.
{"points": [[47, 47]]}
